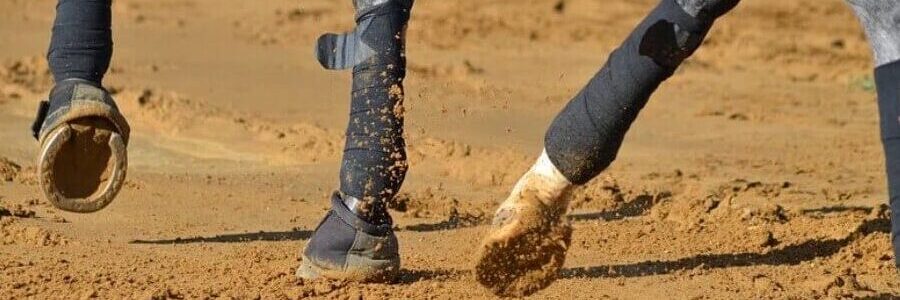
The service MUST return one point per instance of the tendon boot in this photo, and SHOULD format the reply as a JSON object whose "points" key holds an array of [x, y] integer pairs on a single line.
{"points": [[355, 241], [83, 136], [347, 247]]}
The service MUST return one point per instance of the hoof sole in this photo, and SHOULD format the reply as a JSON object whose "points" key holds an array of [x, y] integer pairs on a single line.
{"points": [[82, 165]]}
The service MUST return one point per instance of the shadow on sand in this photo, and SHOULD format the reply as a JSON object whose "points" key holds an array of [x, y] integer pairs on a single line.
{"points": [[634, 208], [262, 236], [412, 276], [790, 255]]}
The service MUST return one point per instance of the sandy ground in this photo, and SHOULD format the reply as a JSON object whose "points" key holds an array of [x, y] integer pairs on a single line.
{"points": [[756, 172]]}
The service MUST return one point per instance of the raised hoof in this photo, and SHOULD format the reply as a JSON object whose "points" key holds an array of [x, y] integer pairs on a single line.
{"points": [[82, 165], [524, 253]]}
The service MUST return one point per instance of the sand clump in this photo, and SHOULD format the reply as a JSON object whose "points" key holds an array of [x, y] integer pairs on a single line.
{"points": [[12, 232], [9, 170], [484, 166], [433, 202], [32, 73], [753, 202], [164, 110], [173, 114]]}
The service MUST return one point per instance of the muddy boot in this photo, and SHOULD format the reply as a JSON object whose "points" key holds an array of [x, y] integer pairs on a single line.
{"points": [[83, 136], [528, 244], [346, 247]]}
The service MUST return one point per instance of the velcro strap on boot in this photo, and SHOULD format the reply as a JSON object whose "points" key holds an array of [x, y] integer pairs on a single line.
{"points": [[674, 36], [346, 50], [39, 118]]}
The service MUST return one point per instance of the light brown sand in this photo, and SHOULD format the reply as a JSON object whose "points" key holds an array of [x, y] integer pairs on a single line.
{"points": [[755, 173]]}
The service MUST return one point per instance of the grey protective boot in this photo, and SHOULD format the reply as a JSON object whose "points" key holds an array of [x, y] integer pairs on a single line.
{"points": [[344, 247]]}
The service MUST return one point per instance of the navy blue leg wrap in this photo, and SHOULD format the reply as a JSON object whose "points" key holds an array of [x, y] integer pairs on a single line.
{"points": [[81, 45], [887, 79], [374, 163], [585, 137]]}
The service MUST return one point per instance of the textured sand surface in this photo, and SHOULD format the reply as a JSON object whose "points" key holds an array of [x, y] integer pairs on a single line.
{"points": [[756, 172]]}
